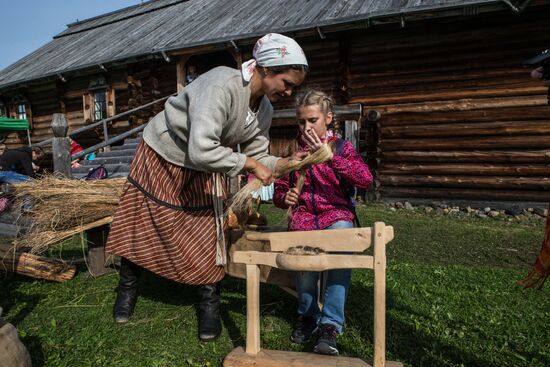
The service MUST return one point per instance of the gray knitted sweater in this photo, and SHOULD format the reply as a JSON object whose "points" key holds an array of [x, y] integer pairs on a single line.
{"points": [[200, 127]]}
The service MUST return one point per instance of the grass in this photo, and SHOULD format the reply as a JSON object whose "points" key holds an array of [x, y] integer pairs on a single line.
{"points": [[451, 301]]}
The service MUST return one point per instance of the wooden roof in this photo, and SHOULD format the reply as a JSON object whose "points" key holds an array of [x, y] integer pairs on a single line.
{"points": [[165, 25]]}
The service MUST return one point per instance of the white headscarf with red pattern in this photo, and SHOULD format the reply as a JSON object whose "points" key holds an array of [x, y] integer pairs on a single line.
{"points": [[274, 49]]}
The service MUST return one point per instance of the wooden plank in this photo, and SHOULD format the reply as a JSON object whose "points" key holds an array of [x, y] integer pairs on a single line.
{"points": [[379, 235], [465, 194], [352, 239], [395, 98], [472, 156], [518, 114], [278, 358], [481, 142], [479, 182], [252, 309], [467, 129], [463, 104], [465, 169], [320, 262]]}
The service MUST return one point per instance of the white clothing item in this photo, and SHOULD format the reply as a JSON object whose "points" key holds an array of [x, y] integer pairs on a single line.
{"points": [[274, 49], [250, 117]]}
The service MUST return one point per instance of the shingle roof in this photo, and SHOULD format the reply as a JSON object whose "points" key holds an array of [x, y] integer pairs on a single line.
{"points": [[164, 25]]}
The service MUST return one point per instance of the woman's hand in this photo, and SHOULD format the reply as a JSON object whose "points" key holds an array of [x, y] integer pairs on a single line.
{"points": [[297, 156], [313, 141], [291, 197], [261, 172]]}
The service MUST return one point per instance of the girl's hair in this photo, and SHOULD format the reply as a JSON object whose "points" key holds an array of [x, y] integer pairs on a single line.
{"points": [[313, 97], [284, 68]]}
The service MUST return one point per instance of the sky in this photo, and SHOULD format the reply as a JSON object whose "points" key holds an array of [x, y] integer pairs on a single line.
{"points": [[26, 25]]}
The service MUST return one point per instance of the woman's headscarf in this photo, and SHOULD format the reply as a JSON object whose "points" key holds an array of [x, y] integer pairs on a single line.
{"points": [[274, 49]]}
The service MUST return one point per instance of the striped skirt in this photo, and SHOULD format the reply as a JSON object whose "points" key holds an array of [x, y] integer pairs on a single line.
{"points": [[165, 220]]}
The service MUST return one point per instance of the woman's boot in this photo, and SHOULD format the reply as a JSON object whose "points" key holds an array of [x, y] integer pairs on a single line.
{"points": [[127, 291], [210, 323]]}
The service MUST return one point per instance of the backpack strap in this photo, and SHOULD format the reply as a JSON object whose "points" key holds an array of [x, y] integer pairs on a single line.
{"points": [[345, 185]]}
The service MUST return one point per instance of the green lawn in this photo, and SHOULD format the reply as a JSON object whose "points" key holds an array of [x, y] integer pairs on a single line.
{"points": [[452, 301]]}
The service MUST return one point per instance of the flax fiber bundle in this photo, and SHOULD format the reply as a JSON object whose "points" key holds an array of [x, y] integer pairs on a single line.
{"points": [[240, 204], [61, 207]]}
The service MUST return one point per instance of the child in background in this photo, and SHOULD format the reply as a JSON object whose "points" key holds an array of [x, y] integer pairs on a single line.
{"points": [[73, 149], [323, 203]]}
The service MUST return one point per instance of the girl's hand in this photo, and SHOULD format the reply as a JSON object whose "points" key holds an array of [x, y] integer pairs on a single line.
{"points": [[291, 197], [312, 140]]}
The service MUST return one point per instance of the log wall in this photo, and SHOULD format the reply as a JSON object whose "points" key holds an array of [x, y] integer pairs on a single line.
{"points": [[460, 116]]}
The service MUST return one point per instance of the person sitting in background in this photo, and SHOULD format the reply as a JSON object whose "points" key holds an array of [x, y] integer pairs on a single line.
{"points": [[16, 165], [192, 74], [75, 148]]}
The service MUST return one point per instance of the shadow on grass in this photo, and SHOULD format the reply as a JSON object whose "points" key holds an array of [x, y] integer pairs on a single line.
{"points": [[233, 299], [157, 288], [11, 297], [22, 306], [403, 342], [34, 346]]}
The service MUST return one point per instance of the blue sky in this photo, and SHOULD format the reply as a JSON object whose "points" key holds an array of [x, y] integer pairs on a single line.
{"points": [[26, 25]]}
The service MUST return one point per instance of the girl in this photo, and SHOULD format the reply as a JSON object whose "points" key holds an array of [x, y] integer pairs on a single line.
{"points": [[323, 203], [170, 216]]}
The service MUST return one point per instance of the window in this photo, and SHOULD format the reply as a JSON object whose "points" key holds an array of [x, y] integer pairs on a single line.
{"points": [[100, 106], [98, 100], [21, 111]]}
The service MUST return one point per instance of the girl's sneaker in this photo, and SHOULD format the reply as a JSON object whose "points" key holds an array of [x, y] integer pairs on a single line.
{"points": [[326, 344], [304, 327]]}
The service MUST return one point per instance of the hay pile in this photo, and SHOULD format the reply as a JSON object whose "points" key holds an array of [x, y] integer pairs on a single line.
{"points": [[60, 208]]}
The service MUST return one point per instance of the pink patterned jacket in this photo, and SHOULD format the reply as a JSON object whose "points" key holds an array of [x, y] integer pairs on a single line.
{"points": [[322, 201]]}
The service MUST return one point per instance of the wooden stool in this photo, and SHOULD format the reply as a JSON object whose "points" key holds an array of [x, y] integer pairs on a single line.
{"points": [[336, 240]]}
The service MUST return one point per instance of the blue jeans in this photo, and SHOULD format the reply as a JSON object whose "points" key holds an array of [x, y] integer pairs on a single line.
{"points": [[12, 177], [338, 281]]}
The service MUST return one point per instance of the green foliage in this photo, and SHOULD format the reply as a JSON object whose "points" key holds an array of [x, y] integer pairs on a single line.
{"points": [[451, 301]]}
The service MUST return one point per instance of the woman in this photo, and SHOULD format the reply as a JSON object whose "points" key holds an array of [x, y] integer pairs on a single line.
{"points": [[170, 217]]}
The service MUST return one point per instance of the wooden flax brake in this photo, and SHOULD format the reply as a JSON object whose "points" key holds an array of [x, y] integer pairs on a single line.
{"points": [[354, 240]]}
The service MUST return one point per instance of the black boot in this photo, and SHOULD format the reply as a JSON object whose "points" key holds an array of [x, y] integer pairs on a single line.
{"points": [[127, 291], [210, 323]]}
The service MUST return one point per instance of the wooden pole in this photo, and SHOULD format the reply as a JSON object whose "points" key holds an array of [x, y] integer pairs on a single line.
{"points": [[61, 146], [379, 252], [252, 309]]}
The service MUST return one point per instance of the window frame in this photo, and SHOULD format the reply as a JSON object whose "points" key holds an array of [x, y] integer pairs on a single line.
{"points": [[21, 111], [103, 110]]}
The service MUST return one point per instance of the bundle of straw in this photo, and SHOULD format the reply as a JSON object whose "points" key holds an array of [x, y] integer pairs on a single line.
{"points": [[61, 207], [241, 202]]}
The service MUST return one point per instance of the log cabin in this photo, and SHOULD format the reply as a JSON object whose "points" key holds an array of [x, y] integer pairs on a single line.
{"points": [[445, 109]]}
